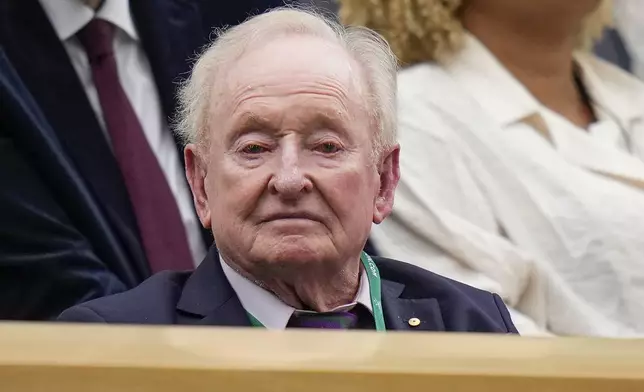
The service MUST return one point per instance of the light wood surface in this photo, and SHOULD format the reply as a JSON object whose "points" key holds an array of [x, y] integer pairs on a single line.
{"points": [[74, 358]]}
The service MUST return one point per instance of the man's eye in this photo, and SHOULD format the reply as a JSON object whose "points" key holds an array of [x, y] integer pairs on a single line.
{"points": [[328, 148], [253, 149]]}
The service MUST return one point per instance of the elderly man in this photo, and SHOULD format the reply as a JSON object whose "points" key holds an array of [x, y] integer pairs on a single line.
{"points": [[291, 155]]}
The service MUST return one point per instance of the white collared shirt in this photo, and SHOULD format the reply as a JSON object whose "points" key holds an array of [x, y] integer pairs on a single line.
{"points": [[479, 73], [500, 192], [273, 313], [70, 16]]}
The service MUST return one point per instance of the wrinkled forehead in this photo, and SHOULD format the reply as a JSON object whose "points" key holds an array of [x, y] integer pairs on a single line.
{"points": [[287, 65]]}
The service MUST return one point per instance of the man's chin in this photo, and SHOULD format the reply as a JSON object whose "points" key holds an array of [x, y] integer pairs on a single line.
{"points": [[293, 230], [292, 251], [281, 248]]}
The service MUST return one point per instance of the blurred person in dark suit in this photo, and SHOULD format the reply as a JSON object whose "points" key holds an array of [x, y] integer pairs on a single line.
{"points": [[57, 246], [103, 76], [291, 155]]}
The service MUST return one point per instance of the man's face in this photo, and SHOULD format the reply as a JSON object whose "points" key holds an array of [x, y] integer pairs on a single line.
{"points": [[289, 177]]}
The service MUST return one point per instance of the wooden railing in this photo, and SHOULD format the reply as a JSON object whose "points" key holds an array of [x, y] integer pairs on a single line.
{"points": [[75, 358]]}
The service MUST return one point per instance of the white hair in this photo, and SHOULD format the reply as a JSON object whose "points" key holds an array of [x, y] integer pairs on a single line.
{"points": [[368, 49]]}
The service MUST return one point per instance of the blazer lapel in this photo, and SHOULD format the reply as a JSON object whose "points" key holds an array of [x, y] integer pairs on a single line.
{"points": [[43, 64], [398, 311], [31, 132], [208, 299], [229, 314]]}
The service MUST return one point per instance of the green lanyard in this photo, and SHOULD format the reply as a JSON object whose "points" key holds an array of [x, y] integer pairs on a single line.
{"points": [[373, 276]]}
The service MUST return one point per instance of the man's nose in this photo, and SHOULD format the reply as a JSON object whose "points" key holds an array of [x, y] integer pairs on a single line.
{"points": [[289, 180]]}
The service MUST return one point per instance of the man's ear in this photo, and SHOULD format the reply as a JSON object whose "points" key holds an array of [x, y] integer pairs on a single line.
{"points": [[196, 173], [389, 176]]}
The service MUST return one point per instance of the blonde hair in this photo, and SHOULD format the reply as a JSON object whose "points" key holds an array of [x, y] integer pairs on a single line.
{"points": [[430, 30], [369, 49]]}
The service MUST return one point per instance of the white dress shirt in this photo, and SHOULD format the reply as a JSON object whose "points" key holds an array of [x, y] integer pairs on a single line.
{"points": [[70, 16], [273, 313], [500, 192]]}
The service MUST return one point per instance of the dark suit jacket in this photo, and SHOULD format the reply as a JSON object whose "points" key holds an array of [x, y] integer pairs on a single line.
{"points": [[67, 229], [204, 297], [57, 246]]}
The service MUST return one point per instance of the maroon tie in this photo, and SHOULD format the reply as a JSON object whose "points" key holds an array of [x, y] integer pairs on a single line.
{"points": [[157, 214]]}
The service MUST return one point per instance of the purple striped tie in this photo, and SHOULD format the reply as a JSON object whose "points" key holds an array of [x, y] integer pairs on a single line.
{"points": [[335, 320], [157, 214]]}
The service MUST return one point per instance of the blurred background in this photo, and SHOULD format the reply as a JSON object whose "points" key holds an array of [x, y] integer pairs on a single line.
{"points": [[623, 44]]}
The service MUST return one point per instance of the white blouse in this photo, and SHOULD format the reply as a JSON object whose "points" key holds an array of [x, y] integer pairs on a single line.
{"points": [[502, 193]]}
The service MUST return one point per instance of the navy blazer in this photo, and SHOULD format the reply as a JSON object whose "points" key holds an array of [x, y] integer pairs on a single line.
{"points": [[204, 297], [67, 230], [57, 247]]}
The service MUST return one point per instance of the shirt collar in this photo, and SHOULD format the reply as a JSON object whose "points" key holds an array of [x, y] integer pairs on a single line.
{"points": [[611, 89], [272, 312], [499, 93], [69, 16], [502, 96]]}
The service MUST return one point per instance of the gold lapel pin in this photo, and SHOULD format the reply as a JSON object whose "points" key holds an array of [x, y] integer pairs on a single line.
{"points": [[414, 322]]}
